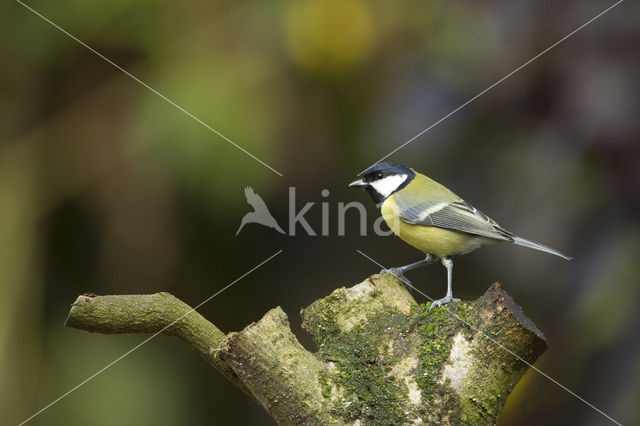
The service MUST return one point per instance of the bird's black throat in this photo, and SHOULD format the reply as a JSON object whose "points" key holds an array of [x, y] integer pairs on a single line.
{"points": [[375, 195]]}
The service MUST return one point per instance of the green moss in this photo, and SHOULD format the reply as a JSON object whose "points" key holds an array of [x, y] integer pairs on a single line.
{"points": [[362, 371], [437, 327], [324, 384], [492, 379], [364, 358], [375, 293]]}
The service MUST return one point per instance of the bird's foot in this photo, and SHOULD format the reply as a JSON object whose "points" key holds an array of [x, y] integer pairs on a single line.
{"points": [[395, 271], [398, 272], [448, 298]]}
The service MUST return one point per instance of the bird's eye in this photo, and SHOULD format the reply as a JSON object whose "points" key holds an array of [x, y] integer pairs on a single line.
{"points": [[379, 175]]}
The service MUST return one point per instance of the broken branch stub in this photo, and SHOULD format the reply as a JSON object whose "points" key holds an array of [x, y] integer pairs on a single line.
{"points": [[382, 358]]}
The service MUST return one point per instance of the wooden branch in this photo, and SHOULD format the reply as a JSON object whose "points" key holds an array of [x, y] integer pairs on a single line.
{"points": [[282, 375], [381, 358], [151, 313]]}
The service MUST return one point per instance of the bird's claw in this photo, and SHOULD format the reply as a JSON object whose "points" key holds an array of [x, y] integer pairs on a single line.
{"points": [[395, 271], [443, 301], [398, 272]]}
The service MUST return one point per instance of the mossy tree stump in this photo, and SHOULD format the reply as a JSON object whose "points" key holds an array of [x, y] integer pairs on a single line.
{"points": [[382, 358]]}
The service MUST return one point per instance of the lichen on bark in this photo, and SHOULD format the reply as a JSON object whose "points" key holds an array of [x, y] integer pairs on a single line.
{"points": [[381, 357], [361, 334]]}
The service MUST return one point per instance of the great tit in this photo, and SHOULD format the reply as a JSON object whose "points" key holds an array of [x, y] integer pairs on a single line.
{"points": [[432, 219]]}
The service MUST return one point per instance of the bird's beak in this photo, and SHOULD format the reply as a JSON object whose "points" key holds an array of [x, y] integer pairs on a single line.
{"points": [[358, 182]]}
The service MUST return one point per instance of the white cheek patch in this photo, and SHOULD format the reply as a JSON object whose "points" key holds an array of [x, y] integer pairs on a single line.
{"points": [[387, 185]]}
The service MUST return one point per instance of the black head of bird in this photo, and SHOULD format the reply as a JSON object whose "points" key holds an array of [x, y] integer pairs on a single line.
{"points": [[383, 179]]}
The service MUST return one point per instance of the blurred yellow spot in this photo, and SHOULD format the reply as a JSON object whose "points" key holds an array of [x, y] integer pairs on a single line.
{"points": [[329, 35]]}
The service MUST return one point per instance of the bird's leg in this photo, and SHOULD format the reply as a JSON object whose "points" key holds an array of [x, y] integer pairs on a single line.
{"points": [[448, 263], [400, 270]]}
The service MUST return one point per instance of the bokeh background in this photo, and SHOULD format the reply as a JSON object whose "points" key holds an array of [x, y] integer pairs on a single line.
{"points": [[105, 187]]}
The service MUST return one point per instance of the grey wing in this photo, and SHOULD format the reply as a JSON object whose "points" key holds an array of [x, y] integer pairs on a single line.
{"points": [[455, 215]]}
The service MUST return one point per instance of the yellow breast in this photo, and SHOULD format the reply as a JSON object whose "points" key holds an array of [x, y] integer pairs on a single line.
{"points": [[428, 239]]}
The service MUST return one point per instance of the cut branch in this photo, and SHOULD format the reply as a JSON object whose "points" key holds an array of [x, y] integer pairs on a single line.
{"points": [[151, 313], [283, 376], [381, 358]]}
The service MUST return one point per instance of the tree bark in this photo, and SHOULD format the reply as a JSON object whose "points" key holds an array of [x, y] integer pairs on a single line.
{"points": [[381, 358]]}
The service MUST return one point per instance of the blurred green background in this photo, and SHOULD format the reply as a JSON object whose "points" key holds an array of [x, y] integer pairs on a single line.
{"points": [[105, 187]]}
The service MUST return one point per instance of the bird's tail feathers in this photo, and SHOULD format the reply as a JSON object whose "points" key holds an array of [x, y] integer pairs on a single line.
{"points": [[526, 243]]}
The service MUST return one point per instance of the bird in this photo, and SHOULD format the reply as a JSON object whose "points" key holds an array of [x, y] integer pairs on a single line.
{"points": [[431, 218], [260, 213]]}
